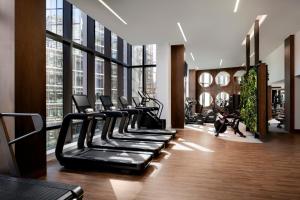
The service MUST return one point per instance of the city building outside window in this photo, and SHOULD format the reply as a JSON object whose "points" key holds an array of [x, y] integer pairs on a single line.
{"points": [[99, 37], [99, 82], [114, 45], [54, 89], [54, 16], [79, 26]]}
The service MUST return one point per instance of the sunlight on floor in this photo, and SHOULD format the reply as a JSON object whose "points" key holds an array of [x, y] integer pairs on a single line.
{"points": [[198, 147], [157, 167], [180, 147], [124, 190]]}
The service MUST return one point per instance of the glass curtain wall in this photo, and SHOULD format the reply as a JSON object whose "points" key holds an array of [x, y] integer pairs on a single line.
{"points": [[54, 89], [114, 83], [59, 48], [99, 81]]}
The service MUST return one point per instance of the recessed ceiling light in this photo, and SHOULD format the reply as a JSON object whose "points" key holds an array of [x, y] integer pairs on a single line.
{"points": [[181, 30], [261, 19], [112, 11], [221, 62], [192, 56], [236, 6]]}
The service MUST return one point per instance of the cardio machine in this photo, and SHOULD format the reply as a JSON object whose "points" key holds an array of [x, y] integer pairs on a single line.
{"points": [[189, 116], [15, 188]]}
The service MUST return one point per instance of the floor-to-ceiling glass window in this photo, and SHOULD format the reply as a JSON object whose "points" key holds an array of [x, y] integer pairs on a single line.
{"points": [[99, 81], [79, 26], [54, 89], [137, 81], [114, 45], [99, 37], [75, 56], [114, 83], [137, 55], [54, 70], [54, 16], [150, 54]]}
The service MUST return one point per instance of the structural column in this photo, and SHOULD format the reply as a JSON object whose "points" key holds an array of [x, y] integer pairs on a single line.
{"points": [[289, 79], [177, 86]]}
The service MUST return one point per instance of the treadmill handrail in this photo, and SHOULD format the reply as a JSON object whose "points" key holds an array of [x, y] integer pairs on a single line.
{"points": [[38, 123]]}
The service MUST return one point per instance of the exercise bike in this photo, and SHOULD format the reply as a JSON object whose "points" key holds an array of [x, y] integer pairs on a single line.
{"points": [[228, 119]]}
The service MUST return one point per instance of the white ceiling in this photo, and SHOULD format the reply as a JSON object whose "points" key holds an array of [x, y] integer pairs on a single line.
{"points": [[213, 31]]}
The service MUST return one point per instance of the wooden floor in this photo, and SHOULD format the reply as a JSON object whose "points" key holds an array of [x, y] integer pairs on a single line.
{"points": [[199, 166]]}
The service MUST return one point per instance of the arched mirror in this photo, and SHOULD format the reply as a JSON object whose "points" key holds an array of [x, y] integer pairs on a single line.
{"points": [[205, 79], [239, 76], [222, 99], [223, 78], [205, 99]]}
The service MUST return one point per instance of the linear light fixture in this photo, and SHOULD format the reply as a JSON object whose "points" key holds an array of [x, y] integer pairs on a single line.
{"points": [[181, 30], [112, 11], [252, 55], [192, 56], [236, 6], [221, 62], [243, 64], [261, 19]]}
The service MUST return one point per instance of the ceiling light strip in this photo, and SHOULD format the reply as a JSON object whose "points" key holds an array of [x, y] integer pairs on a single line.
{"points": [[112, 11], [236, 6], [181, 30], [192, 56], [261, 19], [221, 62]]}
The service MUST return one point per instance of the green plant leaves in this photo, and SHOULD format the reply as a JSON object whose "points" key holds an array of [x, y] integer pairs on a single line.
{"points": [[249, 100]]}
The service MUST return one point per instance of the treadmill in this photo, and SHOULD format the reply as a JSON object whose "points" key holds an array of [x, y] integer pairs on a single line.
{"points": [[12, 188], [96, 158], [107, 104], [83, 105], [125, 104]]}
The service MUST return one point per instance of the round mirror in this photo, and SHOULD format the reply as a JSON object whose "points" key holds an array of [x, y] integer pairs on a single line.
{"points": [[223, 78], [239, 76], [222, 99], [205, 99], [205, 79]]}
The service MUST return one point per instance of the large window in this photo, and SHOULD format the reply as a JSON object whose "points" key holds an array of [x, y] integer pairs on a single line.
{"points": [[99, 37], [114, 83], [137, 55], [79, 77], [150, 76], [150, 54], [144, 69], [114, 45], [54, 89], [137, 81], [54, 16], [79, 26], [68, 64], [124, 51], [99, 81]]}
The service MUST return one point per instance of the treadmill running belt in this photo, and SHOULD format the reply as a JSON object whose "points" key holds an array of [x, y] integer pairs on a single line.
{"points": [[15, 189], [115, 156]]}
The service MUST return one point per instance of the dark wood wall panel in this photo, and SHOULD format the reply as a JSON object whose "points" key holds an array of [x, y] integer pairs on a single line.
{"points": [[232, 88], [30, 82], [262, 96], [192, 86], [289, 79], [177, 86]]}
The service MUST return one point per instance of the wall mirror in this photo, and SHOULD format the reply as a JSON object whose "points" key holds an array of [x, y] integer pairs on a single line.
{"points": [[205, 79], [222, 99], [223, 78], [239, 76], [205, 99]]}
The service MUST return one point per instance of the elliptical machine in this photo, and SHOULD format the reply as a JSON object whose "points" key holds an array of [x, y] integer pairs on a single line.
{"points": [[150, 119], [189, 116]]}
